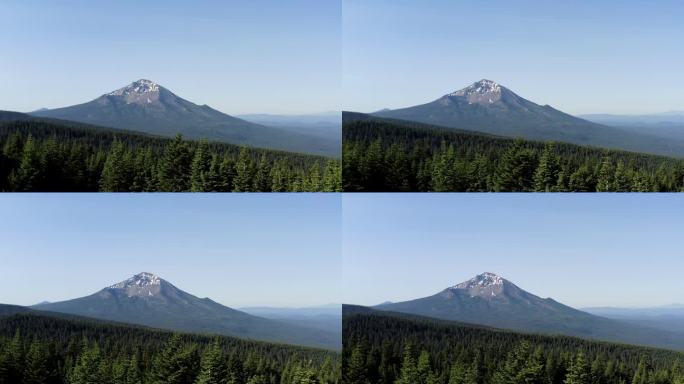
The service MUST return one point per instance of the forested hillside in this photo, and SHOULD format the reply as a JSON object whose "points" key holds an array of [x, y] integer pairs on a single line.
{"points": [[387, 348], [392, 155], [51, 156], [44, 349]]}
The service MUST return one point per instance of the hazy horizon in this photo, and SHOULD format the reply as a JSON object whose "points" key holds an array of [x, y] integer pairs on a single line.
{"points": [[261, 56], [573, 56], [582, 250], [242, 250]]}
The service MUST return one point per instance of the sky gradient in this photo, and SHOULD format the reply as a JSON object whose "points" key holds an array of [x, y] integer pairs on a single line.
{"points": [[577, 56], [581, 249], [238, 249], [260, 56]]}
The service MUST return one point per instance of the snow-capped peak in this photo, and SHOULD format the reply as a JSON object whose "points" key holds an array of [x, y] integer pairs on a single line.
{"points": [[137, 87], [481, 87], [483, 280], [142, 279]]}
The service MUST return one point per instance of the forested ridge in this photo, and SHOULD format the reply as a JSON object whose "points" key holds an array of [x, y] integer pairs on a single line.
{"points": [[40, 155], [391, 155], [45, 349], [383, 348]]}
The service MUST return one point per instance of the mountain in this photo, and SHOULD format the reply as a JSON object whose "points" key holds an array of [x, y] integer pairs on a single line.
{"points": [[490, 300], [486, 106], [149, 300], [146, 106]]}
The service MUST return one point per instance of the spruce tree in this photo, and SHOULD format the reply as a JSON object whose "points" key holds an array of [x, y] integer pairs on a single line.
{"points": [[200, 169], [116, 174], [28, 177], [36, 369], [174, 169], [243, 172], [409, 369], [579, 372], [176, 364], [605, 181], [213, 369], [546, 175], [87, 368]]}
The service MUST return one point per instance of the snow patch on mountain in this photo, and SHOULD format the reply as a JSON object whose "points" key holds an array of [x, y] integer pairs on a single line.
{"points": [[137, 87], [141, 280], [483, 280], [481, 87]]}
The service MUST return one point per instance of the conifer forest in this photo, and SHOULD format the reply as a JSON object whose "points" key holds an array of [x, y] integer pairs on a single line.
{"points": [[44, 156], [400, 156], [69, 350], [398, 349]]}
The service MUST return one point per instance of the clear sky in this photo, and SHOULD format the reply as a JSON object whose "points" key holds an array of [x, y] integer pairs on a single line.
{"points": [[238, 249], [580, 249], [582, 56], [257, 56]]}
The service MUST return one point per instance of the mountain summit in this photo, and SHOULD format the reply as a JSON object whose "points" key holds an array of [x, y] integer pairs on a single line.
{"points": [[141, 92], [142, 284], [484, 91], [488, 299], [147, 299], [486, 285]]}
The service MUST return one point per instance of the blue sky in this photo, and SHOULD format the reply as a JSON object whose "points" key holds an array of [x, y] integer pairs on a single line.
{"points": [[238, 249], [579, 56], [257, 56], [580, 249]]}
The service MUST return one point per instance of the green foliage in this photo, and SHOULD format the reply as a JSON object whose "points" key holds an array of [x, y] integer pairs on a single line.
{"points": [[453, 353], [404, 156], [56, 350], [43, 156]]}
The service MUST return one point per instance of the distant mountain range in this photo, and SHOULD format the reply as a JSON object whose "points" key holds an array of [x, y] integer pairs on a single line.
{"points": [[669, 125], [325, 317], [491, 300], [146, 106], [489, 107], [149, 300], [667, 317]]}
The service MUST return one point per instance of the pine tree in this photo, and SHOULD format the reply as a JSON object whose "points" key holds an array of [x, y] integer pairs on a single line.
{"points": [[28, 177], [332, 177], [200, 168], [243, 172], [409, 370], [87, 368], [579, 372], [174, 169], [236, 372], [116, 175], [356, 371], [516, 169], [262, 179], [606, 176], [36, 367], [622, 181], [176, 364], [213, 369], [546, 175]]}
